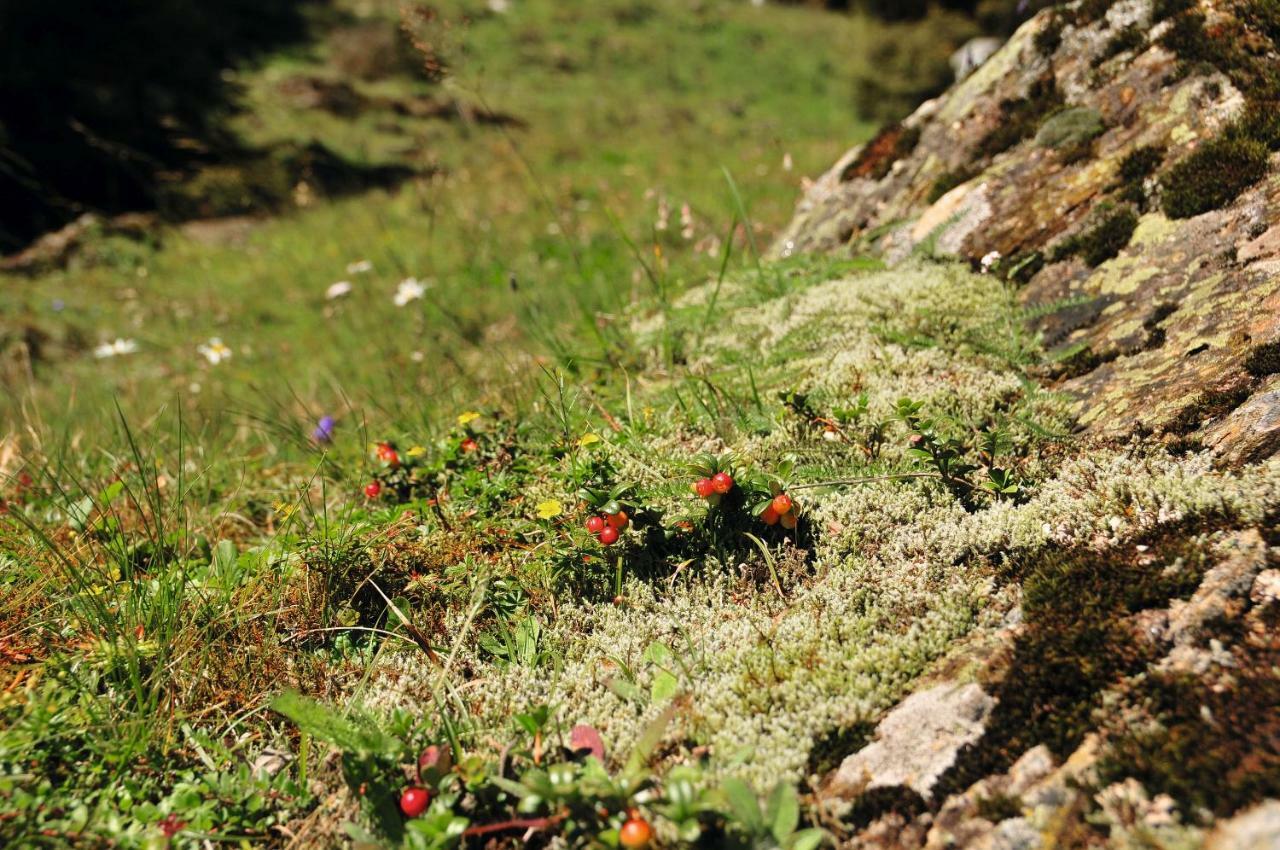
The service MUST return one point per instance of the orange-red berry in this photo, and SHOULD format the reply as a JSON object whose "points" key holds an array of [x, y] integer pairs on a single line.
{"points": [[788, 520], [722, 483], [595, 524], [414, 801], [469, 445], [704, 487], [372, 490], [782, 504], [618, 520], [769, 516], [609, 535], [635, 833]]}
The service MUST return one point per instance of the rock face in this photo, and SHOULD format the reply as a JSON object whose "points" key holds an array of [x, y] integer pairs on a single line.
{"points": [[1079, 152], [917, 742], [1115, 163]]}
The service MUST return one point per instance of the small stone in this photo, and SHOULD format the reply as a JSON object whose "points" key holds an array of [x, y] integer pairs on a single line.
{"points": [[1266, 588], [917, 742], [1257, 828]]}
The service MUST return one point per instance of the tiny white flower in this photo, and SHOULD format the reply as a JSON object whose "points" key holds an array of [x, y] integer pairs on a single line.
{"points": [[990, 260], [113, 349], [410, 289], [417, 356], [338, 290], [215, 350], [499, 7], [787, 162], [360, 267]]}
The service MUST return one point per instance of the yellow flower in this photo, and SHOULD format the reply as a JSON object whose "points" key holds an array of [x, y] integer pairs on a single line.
{"points": [[285, 509], [550, 509], [468, 417], [416, 451], [588, 440]]}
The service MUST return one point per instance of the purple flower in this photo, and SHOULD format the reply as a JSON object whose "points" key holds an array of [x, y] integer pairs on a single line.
{"points": [[324, 430]]}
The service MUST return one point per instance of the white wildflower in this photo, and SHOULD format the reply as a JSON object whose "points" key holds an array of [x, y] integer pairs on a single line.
{"points": [[215, 351], [989, 260], [410, 289], [113, 349], [360, 267], [686, 221], [338, 290]]}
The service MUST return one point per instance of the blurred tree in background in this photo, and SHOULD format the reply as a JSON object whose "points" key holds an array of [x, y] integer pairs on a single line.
{"points": [[100, 101]]}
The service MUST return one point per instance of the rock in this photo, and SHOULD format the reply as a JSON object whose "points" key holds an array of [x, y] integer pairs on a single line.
{"points": [[917, 742], [1176, 339], [55, 250], [1011, 834], [972, 54], [1222, 590], [1266, 588], [1255, 829]]}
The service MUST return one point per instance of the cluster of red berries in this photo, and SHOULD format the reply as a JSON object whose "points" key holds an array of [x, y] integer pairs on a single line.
{"points": [[608, 524], [387, 454], [414, 801], [780, 510], [716, 485], [635, 832]]}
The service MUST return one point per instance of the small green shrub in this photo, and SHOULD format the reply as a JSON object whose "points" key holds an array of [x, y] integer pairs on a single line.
{"points": [[1070, 127], [1104, 240], [1022, 117], [948, 181], [1213, 176]]}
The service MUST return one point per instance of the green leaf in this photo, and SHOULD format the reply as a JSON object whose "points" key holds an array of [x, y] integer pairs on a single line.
{"points": [[782, 811], [743, 804], [660, 654], [807, 839], [348, 734], [78, 513], [650, 737], [665, 686]]}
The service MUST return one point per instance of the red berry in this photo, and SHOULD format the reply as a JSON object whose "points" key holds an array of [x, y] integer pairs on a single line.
{"points": [[595, 524], [413, 801], [608, 535], [722, 483], [388, 455], [635, 833], [782, 504], [372, 490], [704, 487], [469, 445], [769, 516], [788, 520], [618, 520]]}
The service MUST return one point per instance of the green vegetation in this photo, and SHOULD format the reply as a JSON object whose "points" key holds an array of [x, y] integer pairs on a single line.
{"points": [[1022, 117], [1103, 240], [1212, 176], [499, 487]]}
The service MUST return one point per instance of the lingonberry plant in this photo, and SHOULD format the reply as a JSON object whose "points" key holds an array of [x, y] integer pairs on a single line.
{"points": [[714, 477], [609, 516], [542, 785]]}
